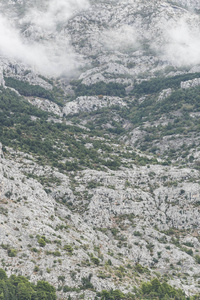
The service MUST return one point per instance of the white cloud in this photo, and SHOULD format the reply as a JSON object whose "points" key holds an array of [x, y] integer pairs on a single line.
{"points": [[122, 39], [182, 43], [48, 15], [50, 53]]}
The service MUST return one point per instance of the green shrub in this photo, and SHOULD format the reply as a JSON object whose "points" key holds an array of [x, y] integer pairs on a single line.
{"points": [[137, 233], [61, 278], [197, 258], [139, 268], [36, 269], [57, 253], [41, 242], [86, 282], [95, 260], [68, 248], [12, 252], [3, 275]]}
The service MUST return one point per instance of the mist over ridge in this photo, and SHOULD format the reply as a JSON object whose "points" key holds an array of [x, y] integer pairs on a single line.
{"points": [[56, 37], [35, 39]]}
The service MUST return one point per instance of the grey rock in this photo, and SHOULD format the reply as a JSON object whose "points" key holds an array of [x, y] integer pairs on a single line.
{"points": [[190, 83], [46, 105], [91, 103]]}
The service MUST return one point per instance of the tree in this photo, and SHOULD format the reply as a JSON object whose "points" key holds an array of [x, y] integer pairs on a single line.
{"points": [[3, 275], [24, 291], [45, 290]]}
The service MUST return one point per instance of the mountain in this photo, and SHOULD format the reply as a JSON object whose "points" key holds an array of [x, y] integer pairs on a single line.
{"points": [[99, 156]]}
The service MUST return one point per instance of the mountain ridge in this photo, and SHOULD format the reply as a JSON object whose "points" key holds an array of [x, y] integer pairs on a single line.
{"points": [[99, 156]]}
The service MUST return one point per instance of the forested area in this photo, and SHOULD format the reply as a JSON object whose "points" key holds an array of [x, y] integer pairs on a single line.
{"points": [[158, 84], [100, 88], [26, 89], [154, 290], [20, 288], [26, 128]]}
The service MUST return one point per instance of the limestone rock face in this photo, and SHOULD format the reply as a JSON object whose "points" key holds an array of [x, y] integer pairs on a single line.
{"points": [[46, 105], [164, 94], [29, 213], [114, 42], [1, 152], [2, 82], [192, 4], [89, 104], [190, 83]]}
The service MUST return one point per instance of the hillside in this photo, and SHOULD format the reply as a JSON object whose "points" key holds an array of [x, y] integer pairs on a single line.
{"points": [[100, 148]]}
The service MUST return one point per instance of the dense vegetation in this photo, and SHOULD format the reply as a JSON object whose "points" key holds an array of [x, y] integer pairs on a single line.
{"points": [[176, 109], [183, 102], [156, 85], [19, 288], [150, 110], [149, 290], [28, 90], [100, 88], [26, 128]]}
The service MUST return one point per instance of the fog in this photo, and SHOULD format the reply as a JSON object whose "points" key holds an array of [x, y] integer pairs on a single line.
{"points": [[182, 44], [38, 40], [49, 52], [49, 14], [176, 41], [122, 39]]}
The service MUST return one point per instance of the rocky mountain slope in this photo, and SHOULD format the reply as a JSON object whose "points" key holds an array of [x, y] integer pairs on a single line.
{"points": [[99, 132]]}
